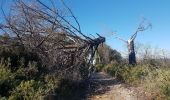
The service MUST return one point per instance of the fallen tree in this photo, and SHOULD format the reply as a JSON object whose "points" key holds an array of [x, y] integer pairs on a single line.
{"points": [[48, 32]]}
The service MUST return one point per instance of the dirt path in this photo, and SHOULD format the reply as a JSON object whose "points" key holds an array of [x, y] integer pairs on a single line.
{"points": [[104, 87]]}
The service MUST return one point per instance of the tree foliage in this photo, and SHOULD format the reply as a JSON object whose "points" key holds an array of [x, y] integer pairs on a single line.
{"points": [[107, 54]]}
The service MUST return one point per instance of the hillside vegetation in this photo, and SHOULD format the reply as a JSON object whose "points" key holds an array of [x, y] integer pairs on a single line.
{"points": [[153, 76], [44, 55]]}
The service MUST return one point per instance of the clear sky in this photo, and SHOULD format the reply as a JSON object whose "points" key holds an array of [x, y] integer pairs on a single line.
{"points": [[123, 16]]}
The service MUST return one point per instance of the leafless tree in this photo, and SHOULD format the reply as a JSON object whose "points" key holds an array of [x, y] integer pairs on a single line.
{"points": [[130, 42], [45, 30]]}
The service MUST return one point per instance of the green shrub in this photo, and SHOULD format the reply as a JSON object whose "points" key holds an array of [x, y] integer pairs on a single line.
{"points": [[154, 77], [99, 67], [6, 80], [22, 76], [29, 90], [11, 79], [18, 56], [112, 69], [52, 82], [159, 80], [134, 75], [130, 74], [27, 73], [165, 91], [5, 74]]}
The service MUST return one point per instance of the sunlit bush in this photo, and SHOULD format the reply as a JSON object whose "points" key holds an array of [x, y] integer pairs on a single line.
{"points": [[159, 80], [134, 75], [155, 79], [52, 82], [29, 90]]}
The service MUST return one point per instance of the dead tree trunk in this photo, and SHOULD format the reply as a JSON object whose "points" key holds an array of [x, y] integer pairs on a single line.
{"points": [[131, 52], [130, 42]]}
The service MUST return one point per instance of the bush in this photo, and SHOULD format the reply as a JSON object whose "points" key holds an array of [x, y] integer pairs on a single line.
{"points": [[112, 69], [16, 79], [52, 82], [22, 77], [5, 74], [165, 90], [106, 54], [29, 90], [17, 56], [155, 80], [134, 75], [99, 67], [159, 80], [130, 74], [6, 80], [25, 84], [156, 77]]}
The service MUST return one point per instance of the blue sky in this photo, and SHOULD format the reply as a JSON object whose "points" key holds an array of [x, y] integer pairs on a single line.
{"points": [[123, 16]]}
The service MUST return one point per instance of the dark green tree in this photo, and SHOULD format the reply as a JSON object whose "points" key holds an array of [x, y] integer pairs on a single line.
{"points": [[106, 54]]}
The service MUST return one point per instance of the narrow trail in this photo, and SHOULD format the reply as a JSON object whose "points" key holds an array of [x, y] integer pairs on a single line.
{"points": [[105, 87]]}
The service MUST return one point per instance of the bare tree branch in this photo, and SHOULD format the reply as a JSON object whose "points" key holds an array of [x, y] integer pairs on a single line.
{"points": [[72, 14], [58, 42]]}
